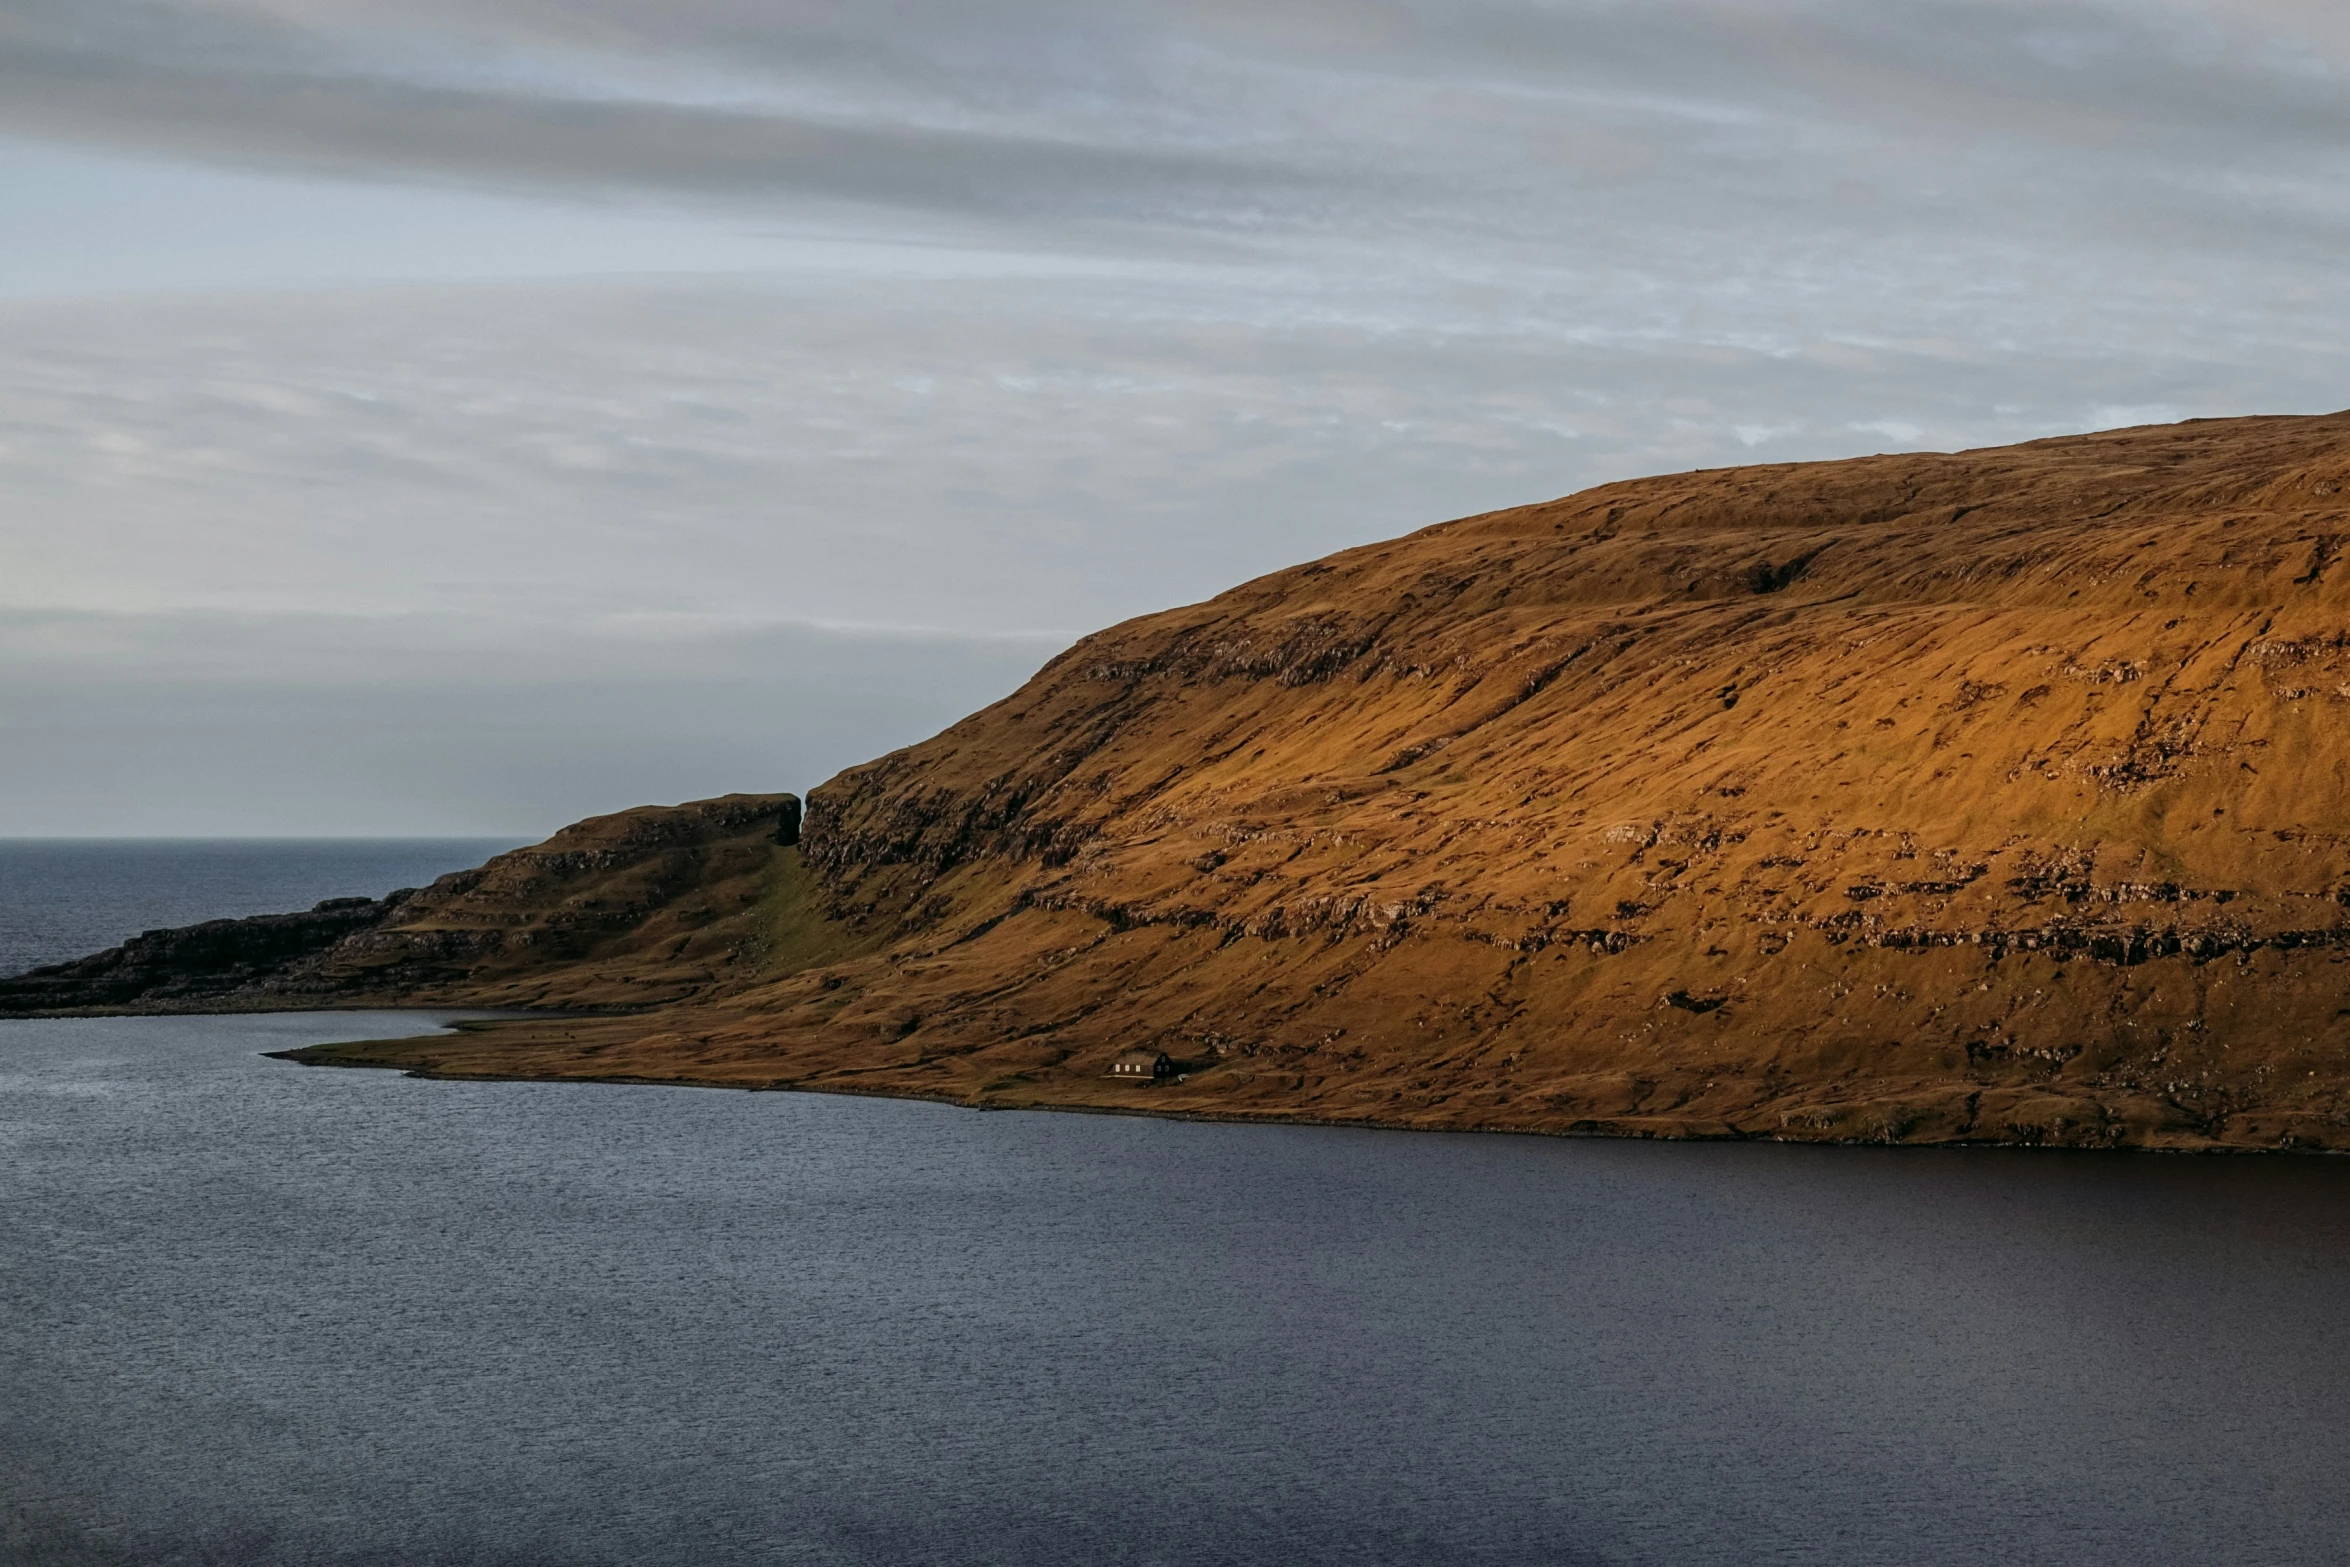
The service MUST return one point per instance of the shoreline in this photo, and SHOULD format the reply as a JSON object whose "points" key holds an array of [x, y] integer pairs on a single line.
{"points": [[414, 1056], [385, 1055]]}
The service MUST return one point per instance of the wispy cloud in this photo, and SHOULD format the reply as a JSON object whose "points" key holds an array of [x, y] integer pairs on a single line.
{"points": [[1292, 115], [1065, 311]]}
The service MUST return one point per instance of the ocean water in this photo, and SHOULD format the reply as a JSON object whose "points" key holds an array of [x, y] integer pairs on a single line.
{"points": [[66, 898], [263, 1314]]}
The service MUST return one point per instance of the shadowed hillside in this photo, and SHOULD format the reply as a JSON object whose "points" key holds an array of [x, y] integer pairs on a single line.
{"points": [[639, 908], [1996, 796]]}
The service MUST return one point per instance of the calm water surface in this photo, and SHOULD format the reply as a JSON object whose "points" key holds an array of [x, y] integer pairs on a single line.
{"points": [[258, 1313]]}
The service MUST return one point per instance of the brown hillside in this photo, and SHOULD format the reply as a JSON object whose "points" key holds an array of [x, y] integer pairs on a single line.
{"points": [[1996, 796]]}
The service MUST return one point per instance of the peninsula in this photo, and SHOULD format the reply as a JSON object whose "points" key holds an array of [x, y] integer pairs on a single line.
{"points": [[2001, 796]]}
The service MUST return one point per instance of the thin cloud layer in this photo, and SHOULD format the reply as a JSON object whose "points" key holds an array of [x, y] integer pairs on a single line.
{"points": [[288, 725], [1036, 315], [976, 456], [1296, 118]]}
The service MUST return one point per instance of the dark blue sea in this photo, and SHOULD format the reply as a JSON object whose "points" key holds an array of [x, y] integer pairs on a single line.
{"points": [[255, 1313]]}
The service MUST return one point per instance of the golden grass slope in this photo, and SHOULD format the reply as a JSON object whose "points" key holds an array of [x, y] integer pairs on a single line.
{"points": [[1990, 796]]}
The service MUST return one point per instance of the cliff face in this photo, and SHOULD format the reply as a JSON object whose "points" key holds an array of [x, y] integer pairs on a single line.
{"points": [[1996, 796], [195, 966]]}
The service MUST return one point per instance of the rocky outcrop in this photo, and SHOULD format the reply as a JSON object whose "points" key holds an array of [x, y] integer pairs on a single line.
{"points": [[625, 911], [194, 964]]}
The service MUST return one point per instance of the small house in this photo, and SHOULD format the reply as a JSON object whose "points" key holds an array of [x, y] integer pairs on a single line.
{"points": [[1146, 1066]]}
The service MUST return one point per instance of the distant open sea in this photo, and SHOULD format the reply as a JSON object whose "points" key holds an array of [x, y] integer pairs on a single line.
{"points": [[63, 898], [260, 1315]]}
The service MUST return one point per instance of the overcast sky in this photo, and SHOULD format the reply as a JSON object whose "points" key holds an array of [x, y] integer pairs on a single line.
{"points": [[423, 416]]}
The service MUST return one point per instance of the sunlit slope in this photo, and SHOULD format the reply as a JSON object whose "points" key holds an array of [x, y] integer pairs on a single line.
{"points": [[1994, 796]]}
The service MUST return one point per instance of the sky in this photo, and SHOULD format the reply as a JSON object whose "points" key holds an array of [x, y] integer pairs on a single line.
{"points": [[438, 418]]}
